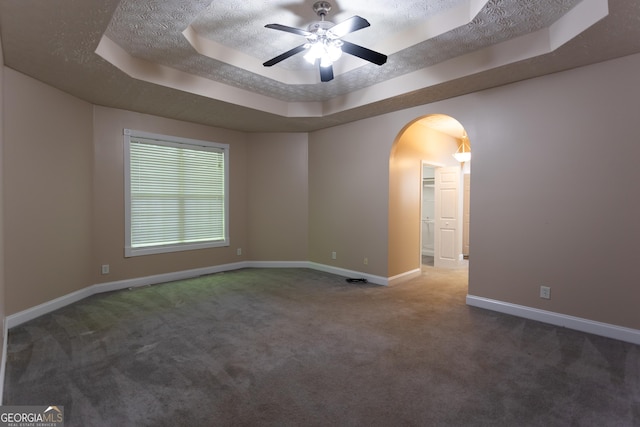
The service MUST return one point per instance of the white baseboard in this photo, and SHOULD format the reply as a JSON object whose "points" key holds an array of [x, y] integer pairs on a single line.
{"points": [[579, 324], [407, 275], [278, 264], [377, 280], [5, 331], [49, 306], [166, 277]]}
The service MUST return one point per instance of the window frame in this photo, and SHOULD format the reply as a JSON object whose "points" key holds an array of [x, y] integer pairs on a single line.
{"points": [[179, 142]]}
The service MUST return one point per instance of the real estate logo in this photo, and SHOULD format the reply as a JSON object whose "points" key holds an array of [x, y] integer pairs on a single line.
{"points": [[32, 416]]}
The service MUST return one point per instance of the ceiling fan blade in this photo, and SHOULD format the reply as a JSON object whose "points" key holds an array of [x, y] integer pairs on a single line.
{"points": [[350, 25], [285, 55], [287, 29], [326, 73], [364, 53]]}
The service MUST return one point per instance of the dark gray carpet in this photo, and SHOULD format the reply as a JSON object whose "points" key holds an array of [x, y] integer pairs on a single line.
{"points": [[292, 347]]}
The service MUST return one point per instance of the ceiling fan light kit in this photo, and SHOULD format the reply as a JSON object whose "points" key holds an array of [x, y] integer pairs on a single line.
{"points": [[463, 154], [324, 45]]}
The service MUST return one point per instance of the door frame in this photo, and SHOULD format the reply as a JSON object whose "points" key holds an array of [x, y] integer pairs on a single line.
{"points": [[434, 166]]}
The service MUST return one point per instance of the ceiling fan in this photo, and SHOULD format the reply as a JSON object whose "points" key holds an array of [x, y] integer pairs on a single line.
{"points": [[324, 44]]}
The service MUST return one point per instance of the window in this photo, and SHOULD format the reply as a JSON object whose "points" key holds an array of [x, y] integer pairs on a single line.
{"points": [[176, 194]]}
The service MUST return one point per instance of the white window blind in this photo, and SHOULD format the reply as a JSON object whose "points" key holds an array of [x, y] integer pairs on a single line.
{"points": [[177, 198]]}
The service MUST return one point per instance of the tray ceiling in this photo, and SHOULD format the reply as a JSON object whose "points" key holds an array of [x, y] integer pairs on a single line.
{"points": [[201, 61]]}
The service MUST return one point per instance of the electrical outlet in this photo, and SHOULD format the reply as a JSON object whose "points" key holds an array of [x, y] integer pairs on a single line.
{"points": [[334, 255], [105, 268], [239, 251], [545, 292], [366, 261]]}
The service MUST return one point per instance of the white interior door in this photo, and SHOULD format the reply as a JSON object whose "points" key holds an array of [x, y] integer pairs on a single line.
{"points": [[448, 241]]}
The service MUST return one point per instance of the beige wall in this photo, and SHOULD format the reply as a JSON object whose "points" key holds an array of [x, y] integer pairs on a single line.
{"points": [[554, 197], [108, 197], [278, 199], [349, 189], [64, 207], [47, 204], [348, 195], [2, 270], [415, 144]]}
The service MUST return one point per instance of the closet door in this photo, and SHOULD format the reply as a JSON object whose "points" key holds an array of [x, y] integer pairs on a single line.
{"points": [[448, 227]]}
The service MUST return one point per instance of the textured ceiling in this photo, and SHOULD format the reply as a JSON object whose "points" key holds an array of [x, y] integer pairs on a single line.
{"points": [[153, 32], [200, 61]]}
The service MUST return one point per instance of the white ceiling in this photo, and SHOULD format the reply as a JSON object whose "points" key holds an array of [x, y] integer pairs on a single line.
{"points": [[201, 61]]}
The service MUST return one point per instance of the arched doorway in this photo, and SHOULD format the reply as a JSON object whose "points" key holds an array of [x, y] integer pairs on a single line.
{"points": [[428, 140]]}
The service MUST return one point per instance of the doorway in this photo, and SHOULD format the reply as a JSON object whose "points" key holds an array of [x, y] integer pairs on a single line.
{"points": [[444, 216], [427, 215], [430, 140]]}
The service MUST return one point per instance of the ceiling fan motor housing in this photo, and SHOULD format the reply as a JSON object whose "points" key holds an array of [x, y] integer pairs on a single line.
{"points": [[320, 27], [321, 8]]}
